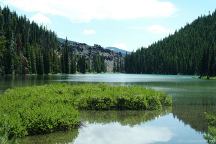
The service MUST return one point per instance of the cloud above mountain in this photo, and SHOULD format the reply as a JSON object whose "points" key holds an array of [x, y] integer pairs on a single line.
{"points": [[88, 10], [41, 19], [89, 32]]}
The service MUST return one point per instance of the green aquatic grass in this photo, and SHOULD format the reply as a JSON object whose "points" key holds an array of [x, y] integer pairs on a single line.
{"points": [[48, 108], [208, 78], [210, 136], [104, 97]]}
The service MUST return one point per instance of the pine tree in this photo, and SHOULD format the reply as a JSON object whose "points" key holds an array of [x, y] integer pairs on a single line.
{"points": [[2, 52], [39, 63], [189, 50], [81, 65], [73, 64], [65, 58]]}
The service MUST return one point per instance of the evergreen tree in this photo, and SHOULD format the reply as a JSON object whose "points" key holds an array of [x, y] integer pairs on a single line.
{"points": [[73, 64], [39, 63], [26, 47], [2, 52], [81, 65], [191, 51], [65, 58]]}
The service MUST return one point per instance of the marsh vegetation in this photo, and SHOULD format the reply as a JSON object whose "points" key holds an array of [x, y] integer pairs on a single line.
{"points": [[48, 108], [211, 134]]}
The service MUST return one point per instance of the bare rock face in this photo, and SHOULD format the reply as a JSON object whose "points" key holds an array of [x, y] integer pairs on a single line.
{"points": [[82, 49]]}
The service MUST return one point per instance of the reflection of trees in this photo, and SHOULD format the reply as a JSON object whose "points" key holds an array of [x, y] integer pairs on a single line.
{"points": [[53, 138], [191, 110], [123, 117], [24, 80]]}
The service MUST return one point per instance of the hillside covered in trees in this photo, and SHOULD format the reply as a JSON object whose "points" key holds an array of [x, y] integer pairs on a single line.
{"points": [[191, 50], [27, 48]]}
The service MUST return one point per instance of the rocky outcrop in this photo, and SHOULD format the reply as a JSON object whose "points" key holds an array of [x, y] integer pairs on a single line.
{"points": [[112, 58]]}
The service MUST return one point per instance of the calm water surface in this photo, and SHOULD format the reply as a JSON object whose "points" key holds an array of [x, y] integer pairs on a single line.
{"points": [[184, 123]]}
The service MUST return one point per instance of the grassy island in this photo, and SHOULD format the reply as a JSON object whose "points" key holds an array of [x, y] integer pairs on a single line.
{"points": [[48, 108]]}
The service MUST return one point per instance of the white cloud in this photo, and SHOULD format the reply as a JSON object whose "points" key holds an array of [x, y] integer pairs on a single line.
{"points": [[89, 32], [159, 29], [137, 28], [41, 19], [121, 46], [155, 29], [87, 10], [114, 133]]}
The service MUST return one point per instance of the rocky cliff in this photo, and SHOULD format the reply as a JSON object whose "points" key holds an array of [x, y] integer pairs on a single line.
{"points": [[114, 61]]}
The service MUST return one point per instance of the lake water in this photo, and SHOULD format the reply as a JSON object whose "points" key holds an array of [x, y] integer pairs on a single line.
{"points": [[184, 123]]}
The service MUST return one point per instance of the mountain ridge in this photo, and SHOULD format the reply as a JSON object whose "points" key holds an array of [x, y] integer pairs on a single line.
{"points": [[118, 50]]}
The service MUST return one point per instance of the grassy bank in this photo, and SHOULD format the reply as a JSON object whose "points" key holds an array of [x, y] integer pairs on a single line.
{"points": [[208, 78], [44, 109], [210, 136]]}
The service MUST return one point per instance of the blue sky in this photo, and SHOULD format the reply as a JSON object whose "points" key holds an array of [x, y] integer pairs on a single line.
{"points": [[127, 24]]}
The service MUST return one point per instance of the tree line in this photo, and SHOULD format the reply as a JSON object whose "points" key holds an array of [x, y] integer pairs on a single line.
{"points": [[27, 48], [190, 50]]}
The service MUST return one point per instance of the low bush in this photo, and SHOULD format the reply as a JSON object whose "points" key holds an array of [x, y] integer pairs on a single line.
{"points": [[104, 97], [44, 109], [210, 136]]}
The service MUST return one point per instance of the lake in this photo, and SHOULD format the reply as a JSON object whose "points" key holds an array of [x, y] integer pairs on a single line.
{"points": [[183, 123]]}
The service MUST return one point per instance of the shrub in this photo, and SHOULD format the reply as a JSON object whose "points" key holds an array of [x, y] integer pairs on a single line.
{"points": [[210, 136], [44, 109]]}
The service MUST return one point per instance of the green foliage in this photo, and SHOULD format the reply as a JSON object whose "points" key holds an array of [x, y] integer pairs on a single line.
{"points": [[27, 48], [73, 68], [104, 97], [82, 65], [210, 136], [36, 110], [44, 109], [65, 58], [98, 64], [191, 50], [2, 52], [118, 64]]}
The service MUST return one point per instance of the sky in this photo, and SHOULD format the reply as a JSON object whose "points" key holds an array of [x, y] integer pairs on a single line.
{"points": [[126, 24]]}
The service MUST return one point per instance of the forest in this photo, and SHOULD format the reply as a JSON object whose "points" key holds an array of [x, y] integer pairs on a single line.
{"points": [[189, 51], [29, 48]]}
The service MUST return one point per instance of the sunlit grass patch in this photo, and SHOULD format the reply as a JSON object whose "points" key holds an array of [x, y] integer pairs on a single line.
{"points": [[48, 108]]}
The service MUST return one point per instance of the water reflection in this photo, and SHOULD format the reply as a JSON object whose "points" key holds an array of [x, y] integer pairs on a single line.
{"points": [[53, 138], [191, 98], [115, 133], [110, 124], [126, 127], [121, 130], [193, 115], [23, 80], [129, 118]]}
